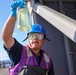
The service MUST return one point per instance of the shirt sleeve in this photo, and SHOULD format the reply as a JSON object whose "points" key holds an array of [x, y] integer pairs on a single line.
{"points": [[51, 71], [14, 52]]}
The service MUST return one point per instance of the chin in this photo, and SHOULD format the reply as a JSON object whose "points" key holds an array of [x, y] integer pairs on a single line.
{"points": [[34, 48]]}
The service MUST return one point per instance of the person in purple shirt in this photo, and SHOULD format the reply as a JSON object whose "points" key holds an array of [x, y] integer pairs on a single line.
{"points": [[27, 59]]}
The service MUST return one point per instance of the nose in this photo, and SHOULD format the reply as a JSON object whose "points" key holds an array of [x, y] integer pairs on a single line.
{"points": [[35, 37]]}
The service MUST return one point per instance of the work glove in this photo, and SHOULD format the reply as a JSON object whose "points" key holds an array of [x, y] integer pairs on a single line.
{"points": [[15, 5]]}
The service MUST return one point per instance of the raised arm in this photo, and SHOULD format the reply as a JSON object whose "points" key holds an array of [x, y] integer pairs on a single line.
{"points": [[9, 25], [7, 32]]}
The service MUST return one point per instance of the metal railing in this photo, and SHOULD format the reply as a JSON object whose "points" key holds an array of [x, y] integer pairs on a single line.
{"points": [[4, 64], [62, 22]]}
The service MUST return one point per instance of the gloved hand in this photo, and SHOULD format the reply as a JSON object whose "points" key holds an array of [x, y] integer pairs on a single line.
{"points": [[14, 6]]}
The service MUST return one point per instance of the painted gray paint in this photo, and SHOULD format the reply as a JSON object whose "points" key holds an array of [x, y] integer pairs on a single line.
{"points": [[56, 47]]}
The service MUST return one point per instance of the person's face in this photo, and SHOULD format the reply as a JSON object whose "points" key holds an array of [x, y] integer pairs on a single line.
{"points": [[36, 40]]}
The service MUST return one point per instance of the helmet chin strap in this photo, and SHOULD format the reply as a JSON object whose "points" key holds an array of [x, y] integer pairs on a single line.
{"points": [[25, 39], [47, 39]]}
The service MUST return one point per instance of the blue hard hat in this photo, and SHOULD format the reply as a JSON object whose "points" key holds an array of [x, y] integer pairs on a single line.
{"points": [[37, 28]]}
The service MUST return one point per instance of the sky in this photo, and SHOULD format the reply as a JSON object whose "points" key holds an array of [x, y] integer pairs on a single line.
{"points": [[19, 35]]}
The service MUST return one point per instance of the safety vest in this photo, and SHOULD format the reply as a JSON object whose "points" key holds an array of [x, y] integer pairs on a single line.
{"points": [[27, 57]]}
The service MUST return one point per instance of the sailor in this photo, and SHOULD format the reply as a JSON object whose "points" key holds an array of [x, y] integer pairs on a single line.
{"points": [[27, 59]]}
